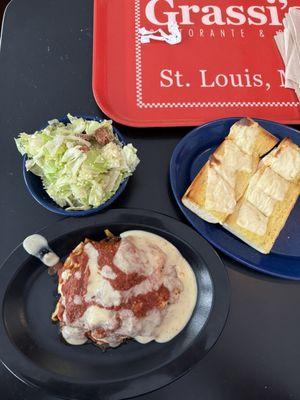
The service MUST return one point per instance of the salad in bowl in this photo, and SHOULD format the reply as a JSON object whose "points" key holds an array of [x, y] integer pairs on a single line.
{"points": [[81, 162]]}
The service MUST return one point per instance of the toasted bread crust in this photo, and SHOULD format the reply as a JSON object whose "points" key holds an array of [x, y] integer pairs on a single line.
{"points": [[255, 141], [276, 222], [264, 140], [194, 197], [278, 154]]}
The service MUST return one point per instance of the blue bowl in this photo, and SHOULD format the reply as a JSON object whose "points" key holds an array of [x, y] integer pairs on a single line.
{"points": [[35, 186]]}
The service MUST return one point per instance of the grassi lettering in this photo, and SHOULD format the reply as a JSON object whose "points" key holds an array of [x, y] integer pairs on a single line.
{"points": [[215, 15]]}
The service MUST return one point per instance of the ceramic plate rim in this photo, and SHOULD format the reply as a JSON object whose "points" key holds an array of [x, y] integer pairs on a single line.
{"points": [[214, 265]]}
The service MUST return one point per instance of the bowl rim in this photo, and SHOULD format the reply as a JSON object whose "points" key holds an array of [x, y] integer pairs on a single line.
{"points": [[50, 205]]}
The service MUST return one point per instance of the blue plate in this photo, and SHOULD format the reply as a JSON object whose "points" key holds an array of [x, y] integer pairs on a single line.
{"points": [[189, 156], [35, 186]]}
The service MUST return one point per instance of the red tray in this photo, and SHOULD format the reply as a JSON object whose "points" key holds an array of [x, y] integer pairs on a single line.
{"points": [[128, 81]]}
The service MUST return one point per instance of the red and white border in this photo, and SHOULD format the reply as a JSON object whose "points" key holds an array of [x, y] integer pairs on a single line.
{"points": [[206, 104]]}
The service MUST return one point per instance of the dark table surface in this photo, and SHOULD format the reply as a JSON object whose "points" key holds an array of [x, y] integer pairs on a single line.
{"points": [[45, 72]]}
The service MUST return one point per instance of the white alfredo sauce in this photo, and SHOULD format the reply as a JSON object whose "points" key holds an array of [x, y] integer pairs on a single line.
{"points": [[37, 246], [99, 288], [178, 314], [151, 252]]}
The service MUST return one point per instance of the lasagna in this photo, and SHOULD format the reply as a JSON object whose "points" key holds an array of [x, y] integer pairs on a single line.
{"points": [[136, 286]]}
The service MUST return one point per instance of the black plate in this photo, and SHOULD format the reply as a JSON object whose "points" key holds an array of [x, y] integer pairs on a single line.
{"points": [[32, 349]]}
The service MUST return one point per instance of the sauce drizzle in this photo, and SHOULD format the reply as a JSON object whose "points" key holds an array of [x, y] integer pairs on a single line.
{"points": [[37, 246]]}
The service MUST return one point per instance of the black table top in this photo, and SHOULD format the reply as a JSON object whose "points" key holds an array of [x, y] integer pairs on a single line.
{"points": [[45, 72]]}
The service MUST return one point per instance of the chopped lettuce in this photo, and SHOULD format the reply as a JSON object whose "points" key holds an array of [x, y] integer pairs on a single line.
{"points": [[81, 164]]}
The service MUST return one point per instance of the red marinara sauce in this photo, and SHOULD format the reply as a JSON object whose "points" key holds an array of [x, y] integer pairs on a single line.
{"points": [[76, 284]]}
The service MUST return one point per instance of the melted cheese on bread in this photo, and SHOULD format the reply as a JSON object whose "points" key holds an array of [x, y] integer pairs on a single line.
{"points": [[285, 160], [220, 184], [251, 138]]}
